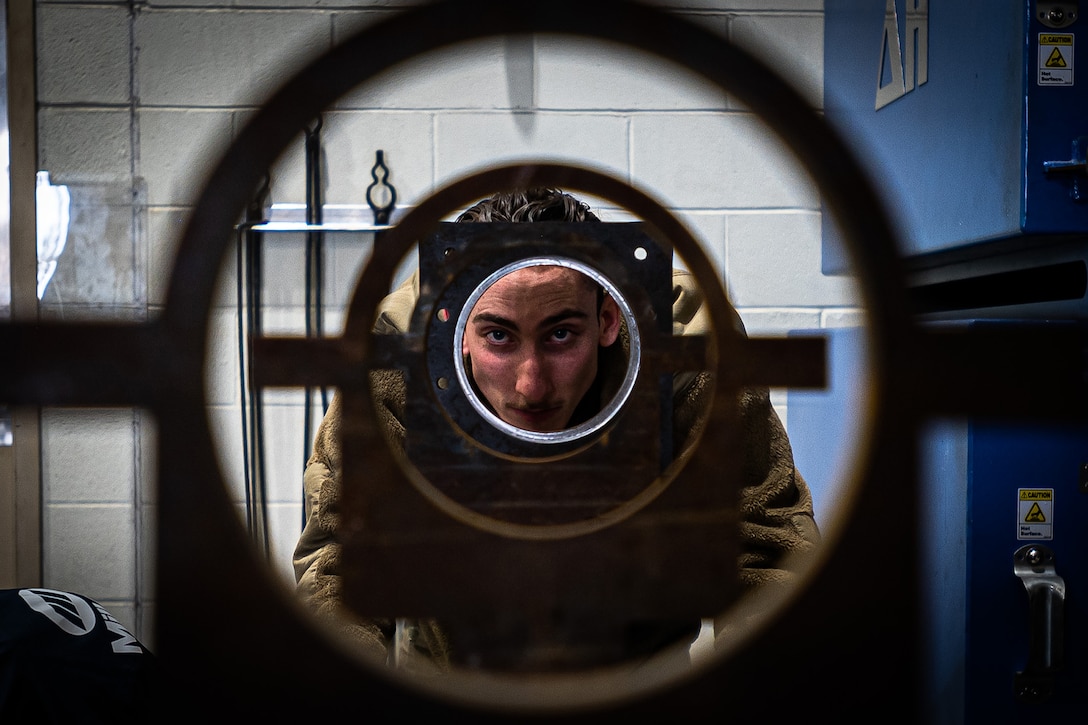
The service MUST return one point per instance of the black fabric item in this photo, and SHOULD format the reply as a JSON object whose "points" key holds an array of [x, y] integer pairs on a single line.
{"points": [[64, 658]]}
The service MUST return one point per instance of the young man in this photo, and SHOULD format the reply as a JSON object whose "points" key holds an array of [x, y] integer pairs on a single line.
{"points": [[535, 342], [532, 341]]}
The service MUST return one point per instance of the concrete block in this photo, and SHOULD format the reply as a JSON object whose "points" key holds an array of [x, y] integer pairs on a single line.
{"points": [[226, 430], [717, 161], [485, 74], [221, 368], [166, 226], [148, 566], [278, 398], [165, 229], [90, 549], [791, 46], [576, 73], [844, 317], [709, 229], [84, 54], [85, 145], [147, 468], [752, 5], [209, 4], [225, 294], [284, 455], [777, 322], [373, 7], [468, 141], [284, 289], [774, 261], [88, 455], [221, 59], [284, 527], [146, 626], [334, 322], [346, 256], [178, 151]]}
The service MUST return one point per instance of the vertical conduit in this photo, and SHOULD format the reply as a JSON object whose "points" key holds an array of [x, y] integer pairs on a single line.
{"points": [[315, 242], [249, 326]]}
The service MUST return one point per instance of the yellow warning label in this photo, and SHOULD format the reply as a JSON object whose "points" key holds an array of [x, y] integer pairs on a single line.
{"points": [[1036, 494], [1035, 513], [1055, 60]]}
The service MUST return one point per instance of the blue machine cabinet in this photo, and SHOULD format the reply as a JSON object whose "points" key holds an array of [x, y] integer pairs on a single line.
{"points": [[989, 489], [972, 118], [1027, 656], [971, 115]]}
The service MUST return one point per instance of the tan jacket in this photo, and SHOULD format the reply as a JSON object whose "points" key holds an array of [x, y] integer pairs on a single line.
{"points": [[776, 506]]}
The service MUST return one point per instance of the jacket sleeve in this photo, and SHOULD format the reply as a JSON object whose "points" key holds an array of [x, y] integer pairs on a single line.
{"points": [[317, 547], [317, 553], [422, 648], [778, 532]]}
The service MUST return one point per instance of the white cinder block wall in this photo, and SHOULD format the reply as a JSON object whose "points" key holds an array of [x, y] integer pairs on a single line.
{"points": [[137, 100]]}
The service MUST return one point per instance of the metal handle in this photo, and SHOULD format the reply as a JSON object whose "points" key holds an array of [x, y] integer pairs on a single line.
{"points": [[1077, 160], [1034, 565], [1076, 166]]}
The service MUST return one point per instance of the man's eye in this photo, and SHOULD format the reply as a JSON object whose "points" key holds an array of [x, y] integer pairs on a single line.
{"points": [[496, 336], [561, 334]]}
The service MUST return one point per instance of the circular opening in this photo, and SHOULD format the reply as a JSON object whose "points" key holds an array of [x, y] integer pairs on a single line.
{"points": [[495, 317], [286, 122]]}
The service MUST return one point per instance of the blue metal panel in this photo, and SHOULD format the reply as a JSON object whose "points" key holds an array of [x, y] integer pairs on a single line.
{"points": [[959, 152], [1002, 460], [1056, 117], [961, 155], [825, 440], [975, 607], [827, 419]]}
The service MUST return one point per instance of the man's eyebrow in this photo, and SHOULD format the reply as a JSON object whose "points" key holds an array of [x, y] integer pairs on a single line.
{"points": [[565, 315], [494, 319]]}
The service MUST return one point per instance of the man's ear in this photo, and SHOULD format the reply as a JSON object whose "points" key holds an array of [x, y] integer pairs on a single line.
{"points": [[609, 321]]}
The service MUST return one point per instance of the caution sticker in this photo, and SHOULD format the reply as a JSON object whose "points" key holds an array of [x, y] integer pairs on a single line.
{"points": [[1055, 59], [1035, 513]]}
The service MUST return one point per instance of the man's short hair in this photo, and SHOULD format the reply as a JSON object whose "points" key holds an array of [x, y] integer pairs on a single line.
{"points": [[539, 204]]}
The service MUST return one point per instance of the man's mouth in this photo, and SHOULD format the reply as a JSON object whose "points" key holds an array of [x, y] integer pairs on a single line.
{"points": [[541, 418]]}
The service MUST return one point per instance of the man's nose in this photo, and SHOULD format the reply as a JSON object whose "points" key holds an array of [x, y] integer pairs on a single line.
{"points": [[533, 382]]}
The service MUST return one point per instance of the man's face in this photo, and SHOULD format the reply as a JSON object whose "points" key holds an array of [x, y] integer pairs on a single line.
{"points": [[533, 338]]}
